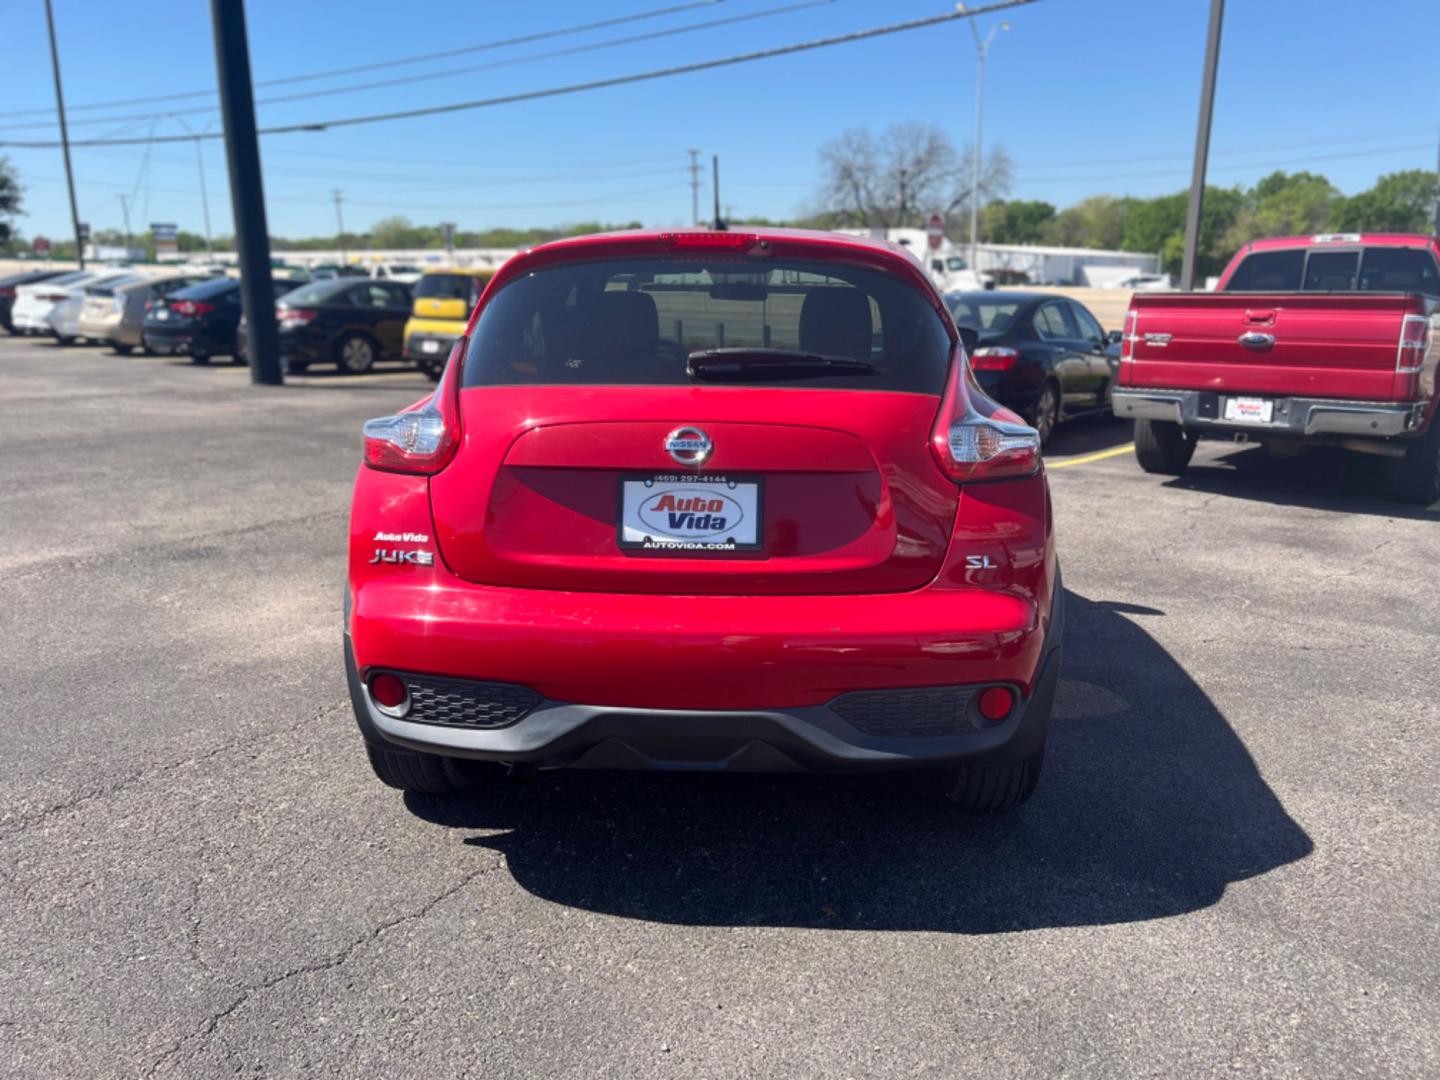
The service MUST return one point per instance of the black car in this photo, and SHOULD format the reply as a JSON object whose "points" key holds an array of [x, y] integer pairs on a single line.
{"points": [[8, 285], [1042, 355], [343, 321], [199, 321]]}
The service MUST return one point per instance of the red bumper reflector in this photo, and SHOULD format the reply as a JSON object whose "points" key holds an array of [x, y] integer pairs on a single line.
{"points": [[388, 691], [995, 704]]}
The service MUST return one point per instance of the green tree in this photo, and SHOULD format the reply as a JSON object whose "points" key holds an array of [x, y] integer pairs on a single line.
{"points": [[1399, 202], [1296, 204], [10, 192], [1021, 221]]}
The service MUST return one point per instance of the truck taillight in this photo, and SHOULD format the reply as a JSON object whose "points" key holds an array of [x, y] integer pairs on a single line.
{"points": [[994, 358], [1414, 343], [423, 438], [975, 439], [1127, 336]]}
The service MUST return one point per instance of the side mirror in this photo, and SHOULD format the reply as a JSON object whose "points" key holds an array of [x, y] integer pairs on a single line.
{"points": [[1114, 337], [969, 338]]}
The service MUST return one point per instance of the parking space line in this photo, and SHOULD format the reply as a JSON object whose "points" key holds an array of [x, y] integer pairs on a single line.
{"points": [[1114, 451]]}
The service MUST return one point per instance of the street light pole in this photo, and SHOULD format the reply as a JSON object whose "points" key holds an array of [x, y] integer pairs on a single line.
{"points": [[981, 49], [1194, 213], [200, 167]]}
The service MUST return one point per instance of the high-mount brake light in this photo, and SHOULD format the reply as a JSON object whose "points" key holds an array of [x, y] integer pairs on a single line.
{"points": [[724, 241], [421, 439], [1414, 343], [971, 445], [1127, 336], [994, 358]]}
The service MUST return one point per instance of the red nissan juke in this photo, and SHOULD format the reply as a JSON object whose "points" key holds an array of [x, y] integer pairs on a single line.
{"points": [[712, 501]]}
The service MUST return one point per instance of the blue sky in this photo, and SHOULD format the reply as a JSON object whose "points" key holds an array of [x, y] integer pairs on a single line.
{"points": [[1087, 96]]}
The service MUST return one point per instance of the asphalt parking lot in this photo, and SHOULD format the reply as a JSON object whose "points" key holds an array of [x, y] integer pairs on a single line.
{"points": [[1229, 867]]}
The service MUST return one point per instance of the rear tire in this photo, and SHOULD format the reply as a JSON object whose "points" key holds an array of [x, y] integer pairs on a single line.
{"points": [[355, 354], [424, 774], [202, 358], [122, 350], [1416, 476], [431, 369], [64, 339], [1045, 416], [988, 789], [1163, 447]]}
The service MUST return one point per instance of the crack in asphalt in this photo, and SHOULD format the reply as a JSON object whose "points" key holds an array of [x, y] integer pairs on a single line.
{"points": [[329, 963], [11, 825]]}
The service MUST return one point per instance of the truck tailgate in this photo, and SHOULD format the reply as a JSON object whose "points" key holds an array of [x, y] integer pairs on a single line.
{"points": [[1294, 344]]}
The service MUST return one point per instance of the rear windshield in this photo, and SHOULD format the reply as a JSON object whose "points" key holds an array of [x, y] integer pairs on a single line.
{"points": [[208, 289], [449, 287], [986, 316], [1380, 269], [637, 321], [319, 292]]}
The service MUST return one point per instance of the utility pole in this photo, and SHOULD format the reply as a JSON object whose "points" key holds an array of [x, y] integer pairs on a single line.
{"points": [[715, 169], [1437, 187], [1202, 147], [64, 135], [125, 213], [982, 48], [247, 195], [200, 168], [695, 187], [340, 226]]}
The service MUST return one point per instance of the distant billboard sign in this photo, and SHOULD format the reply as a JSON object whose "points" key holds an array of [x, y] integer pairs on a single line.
{"points": [[40, 245], [167, 238]]}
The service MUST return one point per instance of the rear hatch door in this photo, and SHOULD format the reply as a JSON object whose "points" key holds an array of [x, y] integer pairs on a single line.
{"points": [[591, 460]]}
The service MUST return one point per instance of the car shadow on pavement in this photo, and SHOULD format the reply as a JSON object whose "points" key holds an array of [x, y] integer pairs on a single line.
{"points": [[1322, 478], [1088, 435], [1149, 806]]}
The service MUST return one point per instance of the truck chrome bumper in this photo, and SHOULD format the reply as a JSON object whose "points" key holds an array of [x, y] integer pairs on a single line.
{"points": [[1292, 416]]}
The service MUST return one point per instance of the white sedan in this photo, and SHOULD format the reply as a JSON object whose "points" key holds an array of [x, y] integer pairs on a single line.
{"points": [[64, 314], [31, 313]]}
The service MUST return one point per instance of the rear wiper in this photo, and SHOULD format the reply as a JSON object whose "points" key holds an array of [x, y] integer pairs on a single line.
{"points": [[752, 363]]}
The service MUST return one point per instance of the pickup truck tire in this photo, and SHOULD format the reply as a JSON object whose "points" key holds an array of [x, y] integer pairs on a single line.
{"points": [[1163, 447], [1416, 476], [985, 789]]}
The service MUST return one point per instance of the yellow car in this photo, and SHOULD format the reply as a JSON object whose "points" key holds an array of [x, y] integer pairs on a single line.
{"points": [[443, 302]]}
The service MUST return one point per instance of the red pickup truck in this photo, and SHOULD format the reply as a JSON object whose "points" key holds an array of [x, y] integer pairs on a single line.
{"points": [[1318, 339]]}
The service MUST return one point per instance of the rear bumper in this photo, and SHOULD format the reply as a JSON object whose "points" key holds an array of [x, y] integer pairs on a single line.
{"points": [[108, 328], [1292, 417], [191, 341], [853, 731], [33, 321], [425, 347]]}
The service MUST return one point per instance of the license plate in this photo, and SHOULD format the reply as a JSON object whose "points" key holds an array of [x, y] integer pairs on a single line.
{"points": [[430, 346], [679, 514], [1249, 410], [162, 314]]}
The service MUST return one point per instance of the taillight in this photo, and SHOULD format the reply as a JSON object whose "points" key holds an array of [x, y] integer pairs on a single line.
{"points": [[994, 358], [421, 439], [52, 297], [975, 439], [149, 306], [7, 290], [294, 315], [1127, 336], [1414, 343], [191, 308]]}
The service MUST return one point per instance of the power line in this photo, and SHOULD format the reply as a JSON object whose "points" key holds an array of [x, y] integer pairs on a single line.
{"points": [[483, 46], [405, 80], [576, 88]]}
